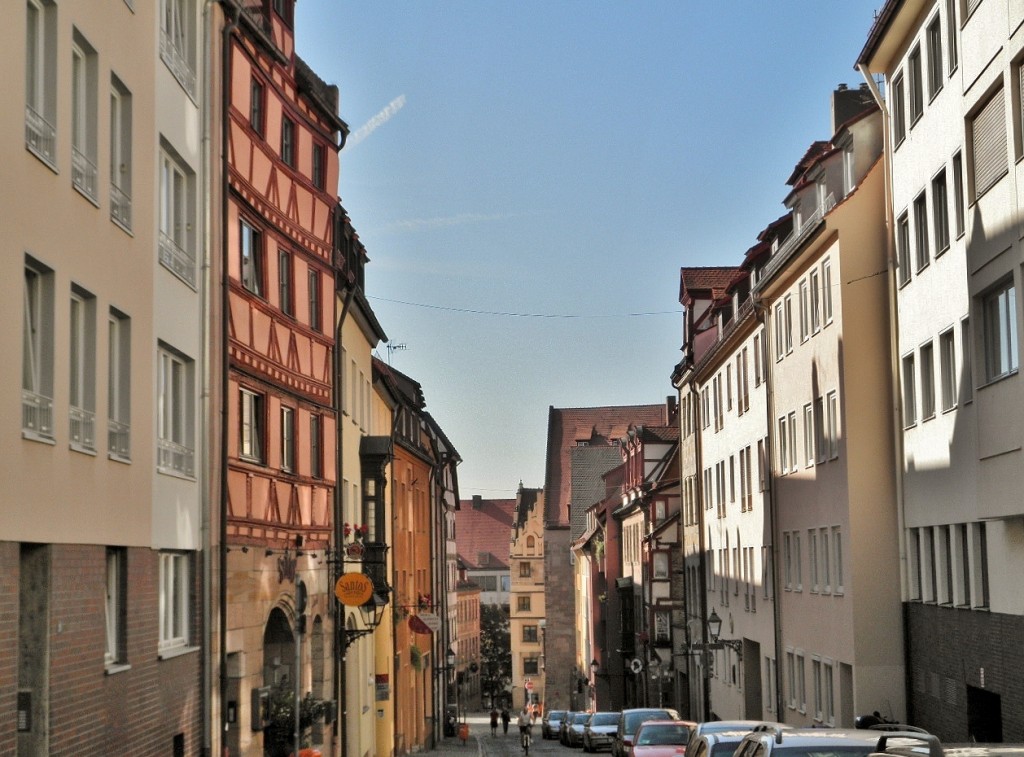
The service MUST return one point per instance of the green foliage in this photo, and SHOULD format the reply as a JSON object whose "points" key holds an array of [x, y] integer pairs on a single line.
{"points": [[279, 735], [495, 650]]}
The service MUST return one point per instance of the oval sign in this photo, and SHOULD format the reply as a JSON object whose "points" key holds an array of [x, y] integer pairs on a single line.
{"points": [[353, 589]]}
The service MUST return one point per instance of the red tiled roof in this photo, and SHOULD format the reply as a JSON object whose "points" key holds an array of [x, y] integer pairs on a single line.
{"points": [[593, 425], [704, 279], [484, 529]]}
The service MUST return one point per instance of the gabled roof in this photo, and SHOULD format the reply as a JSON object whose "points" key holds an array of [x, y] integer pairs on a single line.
{"points": [[704, 282], [484, 527], [567, 427], [813, 154]]}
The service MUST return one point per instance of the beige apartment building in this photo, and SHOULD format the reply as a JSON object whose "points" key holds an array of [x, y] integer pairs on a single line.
{"points": [[527, 610], [106, 450]]}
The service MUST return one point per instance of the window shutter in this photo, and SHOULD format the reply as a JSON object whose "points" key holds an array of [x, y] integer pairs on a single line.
{"points": [[988, 130]]}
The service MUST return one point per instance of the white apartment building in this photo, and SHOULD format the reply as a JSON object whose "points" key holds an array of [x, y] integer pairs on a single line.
{"points": [[105, 444], [952, 75]]}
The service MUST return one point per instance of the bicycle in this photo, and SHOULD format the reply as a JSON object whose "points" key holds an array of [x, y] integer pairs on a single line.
{"points": [[525, 737]]}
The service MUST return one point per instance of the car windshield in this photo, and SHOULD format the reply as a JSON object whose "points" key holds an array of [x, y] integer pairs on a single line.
{"points": [[580, 718], [604, 718], [634, 719], [723, 748], [556, 715], [663, 734]]}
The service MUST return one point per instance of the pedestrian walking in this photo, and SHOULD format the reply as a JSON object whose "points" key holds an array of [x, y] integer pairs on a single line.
{"points": [[494, 722], [505, 717]]}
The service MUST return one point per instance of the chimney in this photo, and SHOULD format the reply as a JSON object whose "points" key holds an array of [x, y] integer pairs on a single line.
{"points": [[670, 405], [478, 501], [848, 103]]}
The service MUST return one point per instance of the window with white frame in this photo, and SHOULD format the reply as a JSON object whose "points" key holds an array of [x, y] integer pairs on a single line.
{"points": [[979, 566], [916, 85], [801, 683], [780, 323], [119, 341], [837, 558], [961, 543], [257, 106], [959, 196], [805, 302], [809, 435], [316, 455], [921, 231], [987, 131], [783, 444], [812, 559], [824, 552], [832, 408], [84, 72], [287, 141], [319, 173], [174, 601], [816, 681], [82, 362], [787, 559], [798, 566], [41, 80], [929, 574], [849, 166], [728, 386], [770, 674], [944, 569], [909, 391], [178, 41], [826, 291], [251, 257], [815, 287], [120, 154], [794, 452], [903, 248], [177, 216], [914, 585], [927, 381], [285, 286], [967, 369], [999, 322], [251, 441], [789, 323], [757, 360], [175, 397], [37, 352], [951, 30], [116, 606], [899, 112], [791, 689], [940, 212], [287, 438], [820, 439], [934, 40], [828, 714]]}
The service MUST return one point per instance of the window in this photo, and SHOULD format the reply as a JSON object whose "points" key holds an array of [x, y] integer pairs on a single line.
{"points": [[966, 357], [903, 248], [661, 565], [523, 603], [801, 685], [987, 129], [257, 106], [119, 340], [927, 381], [177, 216], [84, 74], [809, 435], [791, 678], [979, 565], [525, 569], [177, 41], [284, 282], [287, 439], [174, 412], [820, 440], [959, 211], [916, 85], [530, 634], [283, 9], [849, 167], [82, 360], [288, 141], [815, 302], [812, 557], [899, 114], [793, 452], [940, 213], [41, 80], [837, 557], [174, 600], [798, 565], [319, 175], [531, 666], [817, 681], [947, 369], [783, 445], [909, 391], [826, 561], [833, 425], [37, 352], [999, 314], [804, 307], [827, 686], [951, 27], [251, 251], [251, 440], [115, 606], [826, 290], [316, 454], [789, 324], [934, 35], [757, 360], [921, 231], [120, 154], [780, 322]]}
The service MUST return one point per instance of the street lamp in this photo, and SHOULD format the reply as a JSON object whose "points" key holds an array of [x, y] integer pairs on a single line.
{"points": [[715, 629]]}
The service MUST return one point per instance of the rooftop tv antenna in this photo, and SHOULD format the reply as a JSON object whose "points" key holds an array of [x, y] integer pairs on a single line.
{"points": [[392, 347]]}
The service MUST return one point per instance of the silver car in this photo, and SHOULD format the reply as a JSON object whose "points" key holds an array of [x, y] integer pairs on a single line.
{"points": [[599, 731]]}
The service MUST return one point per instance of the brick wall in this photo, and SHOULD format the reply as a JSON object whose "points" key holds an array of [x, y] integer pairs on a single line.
{"points": [[947, 650], [560, 611], [8, 645]]}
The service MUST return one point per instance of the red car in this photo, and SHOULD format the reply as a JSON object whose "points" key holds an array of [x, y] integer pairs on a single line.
{"points": [[661, 738]]}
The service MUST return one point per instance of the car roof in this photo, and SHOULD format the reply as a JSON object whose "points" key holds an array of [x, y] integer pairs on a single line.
{"points": [[810, 737]]}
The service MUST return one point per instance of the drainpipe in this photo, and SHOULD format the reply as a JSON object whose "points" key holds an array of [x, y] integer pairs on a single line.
{"points": [[339, 535], [231, 12], [890, 249]]}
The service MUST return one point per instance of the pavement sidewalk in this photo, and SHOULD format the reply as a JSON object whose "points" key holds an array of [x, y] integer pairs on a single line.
{"points": [[479, 729]]}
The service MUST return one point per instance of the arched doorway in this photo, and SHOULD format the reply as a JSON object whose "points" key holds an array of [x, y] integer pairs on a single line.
{"points": [[278, 676]]}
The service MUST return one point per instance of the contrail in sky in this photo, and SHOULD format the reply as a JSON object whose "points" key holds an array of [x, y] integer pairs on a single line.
{"points": [[381, 118]]}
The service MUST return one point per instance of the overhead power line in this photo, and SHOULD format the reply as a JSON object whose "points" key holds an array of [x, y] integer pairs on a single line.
{"points": [[526, 315]]}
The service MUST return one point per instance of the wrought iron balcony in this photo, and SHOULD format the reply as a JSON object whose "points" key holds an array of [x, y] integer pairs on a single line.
{"points": [[83, 428], [178, 260], [40, 136], [120, 207], [175, 458], [37, 414], [83, 173]]}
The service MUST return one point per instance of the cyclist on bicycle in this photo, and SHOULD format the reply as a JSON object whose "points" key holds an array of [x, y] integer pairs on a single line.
{"points": [[525, 723]]}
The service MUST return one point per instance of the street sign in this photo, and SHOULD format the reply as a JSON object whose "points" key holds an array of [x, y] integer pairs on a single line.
{"points": [[432, 620], [353, 589], [529, 684]]}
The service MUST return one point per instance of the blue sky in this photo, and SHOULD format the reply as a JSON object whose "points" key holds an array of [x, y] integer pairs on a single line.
{"points": [[528, 178]]}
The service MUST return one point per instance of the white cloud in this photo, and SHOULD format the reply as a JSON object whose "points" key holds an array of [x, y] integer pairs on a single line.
{"points": [[378, 120]]}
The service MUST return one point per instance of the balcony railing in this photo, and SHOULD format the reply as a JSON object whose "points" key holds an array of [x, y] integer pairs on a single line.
{"points": [[83, 173], [797, 238], [36, 414], [83, 428], [178, 63], [119, 439], [120, 207], [40, 136], [175, 458], [179, 261]]}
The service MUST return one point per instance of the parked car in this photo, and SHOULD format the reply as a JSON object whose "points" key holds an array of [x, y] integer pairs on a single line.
{"points": [[574, 729], [599, 731], [721, 726], [550, 723], [661, 738], [835, 742], [713, 743], [630, 720], [563, 731]]}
